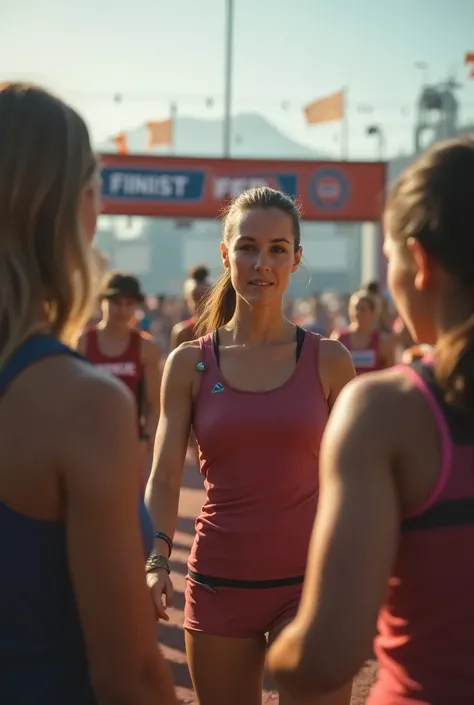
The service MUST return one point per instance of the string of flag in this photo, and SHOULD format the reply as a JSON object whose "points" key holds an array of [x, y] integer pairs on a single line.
{"points": [[329, 109], [158, 133]]}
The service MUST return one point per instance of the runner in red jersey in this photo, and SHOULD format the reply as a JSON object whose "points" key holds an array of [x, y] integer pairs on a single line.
{"points": [[371, 349], [117, 347], [394, 534], [196, 287]]}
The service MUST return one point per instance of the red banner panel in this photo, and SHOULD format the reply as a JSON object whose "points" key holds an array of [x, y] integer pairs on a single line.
{"points": [[176, 187]]}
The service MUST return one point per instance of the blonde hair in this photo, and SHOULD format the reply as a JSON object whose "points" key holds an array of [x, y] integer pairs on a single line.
{"points": [[219, 305], [46, 265]]}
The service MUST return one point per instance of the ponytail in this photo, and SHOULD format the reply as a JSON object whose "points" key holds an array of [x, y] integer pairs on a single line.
{"points": [[218, 306], [454, 366]]}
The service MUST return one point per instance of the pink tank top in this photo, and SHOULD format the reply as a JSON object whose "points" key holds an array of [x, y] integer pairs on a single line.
{"points": [[259, 454], [425, 645]]}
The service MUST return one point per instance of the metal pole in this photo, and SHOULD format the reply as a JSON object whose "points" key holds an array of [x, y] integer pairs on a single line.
{"points": [[345, 127], [174, 123], [227, 136]]}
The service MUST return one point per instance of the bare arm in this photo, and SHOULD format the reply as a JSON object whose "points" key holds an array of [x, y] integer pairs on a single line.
{"points": [[352, 550], [175, 337], [105, 547], [336, 368], [151, 361], [387, 350], [163, 489]]}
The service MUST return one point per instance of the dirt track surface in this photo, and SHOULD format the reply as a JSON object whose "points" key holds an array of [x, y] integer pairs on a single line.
{"points": [[171, 634]]}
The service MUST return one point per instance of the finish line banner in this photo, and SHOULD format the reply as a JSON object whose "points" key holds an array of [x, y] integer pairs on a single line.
{"points": [[175, 187]]}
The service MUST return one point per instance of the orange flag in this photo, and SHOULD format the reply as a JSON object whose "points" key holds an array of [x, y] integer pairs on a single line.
{"points": [[121, 143], [324, 110], [469, 61], [160, 132]]}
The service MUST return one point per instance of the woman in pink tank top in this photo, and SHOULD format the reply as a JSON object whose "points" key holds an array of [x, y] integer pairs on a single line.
{"points": [[394, 534], [258, 391], [370, 347]]}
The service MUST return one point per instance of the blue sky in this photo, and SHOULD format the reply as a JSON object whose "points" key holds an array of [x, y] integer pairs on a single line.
{"points": [[153, 51]]}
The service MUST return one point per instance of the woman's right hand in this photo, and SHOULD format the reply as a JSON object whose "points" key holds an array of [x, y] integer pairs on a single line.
{"points": [[161, 588]]}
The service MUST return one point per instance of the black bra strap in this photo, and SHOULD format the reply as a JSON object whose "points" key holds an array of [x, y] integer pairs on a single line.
{"points": [[300, 336], [215, 343]]}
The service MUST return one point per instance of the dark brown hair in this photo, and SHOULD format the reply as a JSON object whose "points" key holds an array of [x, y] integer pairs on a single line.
{"points": [[219, 305], [45, 261], [199, 273], [372, 287], [433, 202]]}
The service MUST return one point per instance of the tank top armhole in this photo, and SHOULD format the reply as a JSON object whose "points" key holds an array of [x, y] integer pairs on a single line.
{"points": [[446, 444], [316, 355]]}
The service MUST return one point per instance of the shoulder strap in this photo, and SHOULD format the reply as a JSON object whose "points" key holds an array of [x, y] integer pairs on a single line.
{"points": [[300, 336], [33, 350], [215, 345]]}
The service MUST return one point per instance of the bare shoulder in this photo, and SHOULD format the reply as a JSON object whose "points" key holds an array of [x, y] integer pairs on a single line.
{"points": [[382, 400], [178, 327], [84, 408], [335, 360], [333, 349], [183, 360], [94, 397], [149, 349], [336, 368]]}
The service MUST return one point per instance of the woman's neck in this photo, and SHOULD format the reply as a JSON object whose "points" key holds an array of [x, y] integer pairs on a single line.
{"points": [[355, 328], [114, 331], [257, 325]]}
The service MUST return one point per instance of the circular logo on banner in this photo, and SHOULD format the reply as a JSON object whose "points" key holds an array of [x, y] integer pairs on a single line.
{"points": [[329, 189]]}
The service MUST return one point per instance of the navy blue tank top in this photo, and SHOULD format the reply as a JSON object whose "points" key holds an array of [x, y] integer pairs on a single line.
{"points": [[42, 653]]}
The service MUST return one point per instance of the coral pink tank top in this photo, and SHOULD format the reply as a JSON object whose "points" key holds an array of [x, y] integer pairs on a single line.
{"points": [[425, 645], [259, 454]]}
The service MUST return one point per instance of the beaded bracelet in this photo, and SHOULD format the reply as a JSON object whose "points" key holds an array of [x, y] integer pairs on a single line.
{"points": [[166, 539]]}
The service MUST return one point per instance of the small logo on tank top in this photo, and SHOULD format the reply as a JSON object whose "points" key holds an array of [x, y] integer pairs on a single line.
{"points": [[218, 387]]}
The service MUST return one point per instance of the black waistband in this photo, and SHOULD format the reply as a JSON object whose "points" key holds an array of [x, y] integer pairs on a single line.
{"points": [[214, 582]]}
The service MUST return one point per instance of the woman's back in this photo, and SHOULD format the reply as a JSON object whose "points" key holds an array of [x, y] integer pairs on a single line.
{"points": [[42, 653]]}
